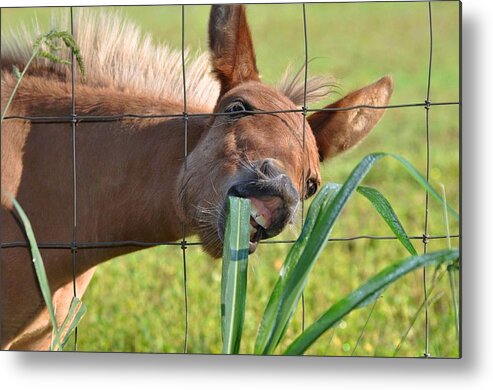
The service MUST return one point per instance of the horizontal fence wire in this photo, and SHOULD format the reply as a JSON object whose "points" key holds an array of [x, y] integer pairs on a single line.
{"points": [[145, 244], [113, 118]]}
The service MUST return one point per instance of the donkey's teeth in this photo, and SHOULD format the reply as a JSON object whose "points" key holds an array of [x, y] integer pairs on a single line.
{"points": [[252, 230], [257, 216], [261, 221], [253, 211]]}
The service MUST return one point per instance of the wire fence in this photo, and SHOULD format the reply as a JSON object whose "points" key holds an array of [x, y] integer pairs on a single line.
{"points": [[74, 120]]}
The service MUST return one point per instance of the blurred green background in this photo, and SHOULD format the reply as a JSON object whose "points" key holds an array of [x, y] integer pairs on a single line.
{"points": [[136, 302]]}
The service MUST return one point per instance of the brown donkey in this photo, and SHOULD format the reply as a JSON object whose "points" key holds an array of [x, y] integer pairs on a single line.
{"points": [[132, 179]]}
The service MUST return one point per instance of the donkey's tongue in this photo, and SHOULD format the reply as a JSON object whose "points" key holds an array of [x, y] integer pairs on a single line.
{"points": [[260, 213]]}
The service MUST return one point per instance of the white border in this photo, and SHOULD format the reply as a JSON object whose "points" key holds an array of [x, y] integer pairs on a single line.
{"points": [[473, 371]]}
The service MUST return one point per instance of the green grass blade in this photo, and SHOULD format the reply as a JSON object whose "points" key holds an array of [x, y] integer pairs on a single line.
{"points": [[451, 268], [38, 264], [431, 301], [37, 51], [386, 211], [264, 334], [76, 312], [304, 253], [371, 298], [422, 181], [384, 278], [329, 203], [234, 273], [16, 72]]}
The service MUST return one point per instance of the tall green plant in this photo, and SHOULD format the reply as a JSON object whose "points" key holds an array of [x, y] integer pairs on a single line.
{"points": [[322, 214], [365, 294], [234, 275], [77, 308]]}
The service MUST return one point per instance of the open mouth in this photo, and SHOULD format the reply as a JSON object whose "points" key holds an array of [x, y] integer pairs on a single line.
{"points": [[259, 222], [269, 212]]}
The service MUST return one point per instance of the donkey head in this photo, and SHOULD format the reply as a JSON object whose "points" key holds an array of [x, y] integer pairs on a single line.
{"points": [[254, 150]]}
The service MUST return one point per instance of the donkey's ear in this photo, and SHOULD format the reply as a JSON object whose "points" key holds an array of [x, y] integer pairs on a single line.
{"points": [[337, 131], [230, 43]]}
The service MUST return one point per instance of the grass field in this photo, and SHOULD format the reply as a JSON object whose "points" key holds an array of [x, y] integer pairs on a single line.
{"points": [[136, 303]]}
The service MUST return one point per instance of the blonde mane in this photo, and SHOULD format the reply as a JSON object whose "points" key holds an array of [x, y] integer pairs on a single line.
{"points": [[118, 55]]}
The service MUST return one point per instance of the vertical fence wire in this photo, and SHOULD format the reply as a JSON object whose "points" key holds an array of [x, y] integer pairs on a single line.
{"points": [[425, 234], [304, 113], [185, 152], [74, 174]]}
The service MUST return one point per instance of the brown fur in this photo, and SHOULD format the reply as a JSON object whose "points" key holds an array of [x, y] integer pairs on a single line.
{"points": [[132, 183]]}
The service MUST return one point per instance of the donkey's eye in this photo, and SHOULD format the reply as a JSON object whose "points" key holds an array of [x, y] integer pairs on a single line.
{"points": [[237, 108], [311, 188]]}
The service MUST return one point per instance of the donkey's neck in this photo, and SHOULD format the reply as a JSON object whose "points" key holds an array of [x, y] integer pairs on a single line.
{"points": [[126, 171], [132, 178]]}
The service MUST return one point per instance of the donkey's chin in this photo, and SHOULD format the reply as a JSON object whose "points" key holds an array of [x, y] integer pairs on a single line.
{"points": [[213, 237], [213, 245], [216, 251]]}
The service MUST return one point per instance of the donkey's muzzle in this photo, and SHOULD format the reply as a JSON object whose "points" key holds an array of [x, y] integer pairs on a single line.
{"points": [[273, 200]]}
